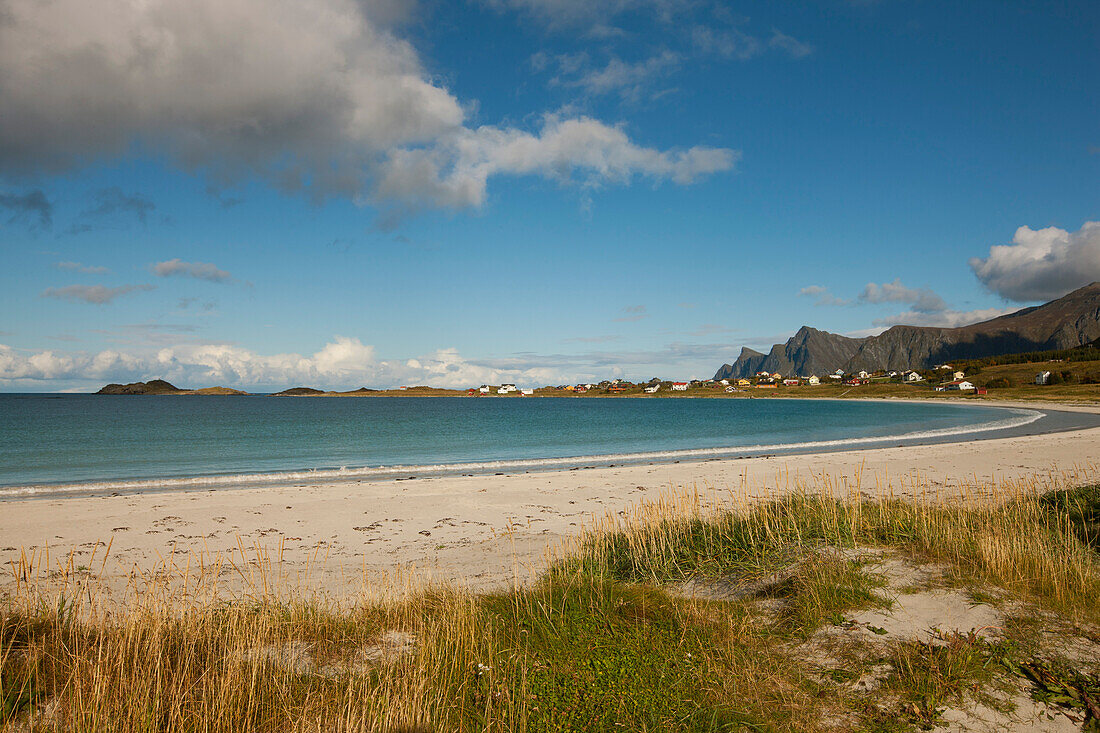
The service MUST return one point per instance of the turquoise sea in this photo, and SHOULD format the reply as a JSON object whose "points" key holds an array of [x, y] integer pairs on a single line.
{"points": [[63, 444]]}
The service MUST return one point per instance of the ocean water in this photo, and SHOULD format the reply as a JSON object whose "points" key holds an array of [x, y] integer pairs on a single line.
{"points": [[65, 444]]}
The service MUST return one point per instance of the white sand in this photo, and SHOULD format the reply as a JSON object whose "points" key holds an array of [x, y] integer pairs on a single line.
{"points": [[457, 528]]}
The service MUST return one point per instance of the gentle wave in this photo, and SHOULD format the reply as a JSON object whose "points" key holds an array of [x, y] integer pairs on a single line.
{"points": [[1021, 418]]}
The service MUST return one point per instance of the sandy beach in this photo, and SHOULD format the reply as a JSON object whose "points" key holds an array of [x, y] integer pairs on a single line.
{"points": [[477, 531]]}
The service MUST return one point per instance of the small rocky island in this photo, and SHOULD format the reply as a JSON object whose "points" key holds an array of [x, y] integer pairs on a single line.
{"points": [[161, 387]]}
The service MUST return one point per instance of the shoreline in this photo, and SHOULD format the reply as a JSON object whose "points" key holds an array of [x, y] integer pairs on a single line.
{"points": [[1057, 418], [477, 531]]}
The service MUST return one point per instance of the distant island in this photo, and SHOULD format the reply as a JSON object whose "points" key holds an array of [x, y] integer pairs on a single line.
{"points": [[161, 387], [420, 391]]}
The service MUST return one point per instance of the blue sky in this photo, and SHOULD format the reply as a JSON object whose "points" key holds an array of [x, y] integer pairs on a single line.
{"points": [[342, 193]]}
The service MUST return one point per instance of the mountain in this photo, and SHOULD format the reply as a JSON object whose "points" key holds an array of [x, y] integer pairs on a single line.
{"points": [[809, 351], [1070, 321], [748, 363]]}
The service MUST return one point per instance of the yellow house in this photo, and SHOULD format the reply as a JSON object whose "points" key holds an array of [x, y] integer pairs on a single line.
{"points": [[744, 383], [569, 388]]}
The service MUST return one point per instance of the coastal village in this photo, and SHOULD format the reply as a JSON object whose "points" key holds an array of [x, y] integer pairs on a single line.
{"points": [[941, 378]]}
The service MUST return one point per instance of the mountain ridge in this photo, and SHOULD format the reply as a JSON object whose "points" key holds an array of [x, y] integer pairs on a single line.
{"points": [[1072, 320]]}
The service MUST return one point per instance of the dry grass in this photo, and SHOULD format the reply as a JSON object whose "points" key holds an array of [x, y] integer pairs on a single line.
{"points": [[595, 644]]}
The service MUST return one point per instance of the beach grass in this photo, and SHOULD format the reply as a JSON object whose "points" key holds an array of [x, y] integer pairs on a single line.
{"points": [[700, 611]]}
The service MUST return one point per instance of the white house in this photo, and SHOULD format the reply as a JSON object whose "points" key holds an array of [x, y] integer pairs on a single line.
{"points": [[483, 389], [731, 388], [863, 374], [813, 380], [724, 382], [506, 388], [913, 377], [958, 375], [959, 384], [1042, 378], [527, 392], [679, 386], [652, 388]]}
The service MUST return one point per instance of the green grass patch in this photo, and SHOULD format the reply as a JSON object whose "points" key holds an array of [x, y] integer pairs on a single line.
{"points": [[601, 656], [1080, 508], [949, 671], [823, 588]]}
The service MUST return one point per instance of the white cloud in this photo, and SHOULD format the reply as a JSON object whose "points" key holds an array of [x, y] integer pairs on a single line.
{"points": [[79, 267], [198, 270], [343, 363], [313, 97], [95, 294], [726, 42], [453, 174], [633, 313], [630, 81], [941, 319], [1042, 264], [794, 47], [923, 300], [822, 296], [595, 15]]}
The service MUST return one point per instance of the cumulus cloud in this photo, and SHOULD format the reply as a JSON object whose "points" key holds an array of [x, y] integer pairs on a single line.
{"points": [[79, 267], [210, 84], [198, 270], [32, 207], [941, 319], [1041, 264], [343, 363], [822, 296], [922, 300], [453, 174], [94, 294]]}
